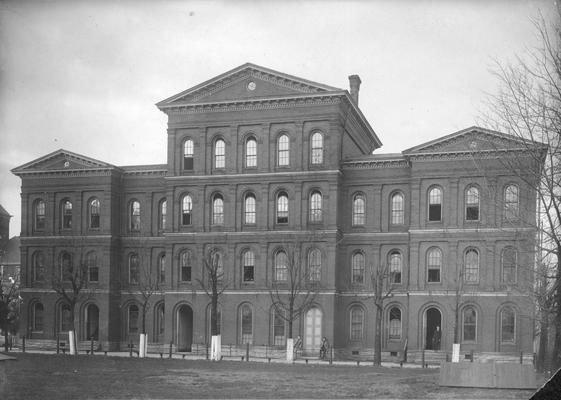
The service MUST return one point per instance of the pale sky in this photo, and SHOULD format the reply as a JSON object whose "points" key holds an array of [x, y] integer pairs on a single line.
{"points": [[85, 75]]}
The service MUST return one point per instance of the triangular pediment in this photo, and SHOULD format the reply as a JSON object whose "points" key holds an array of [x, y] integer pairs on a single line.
{"points": [[61, 160], [471, 140], [246, 82]]}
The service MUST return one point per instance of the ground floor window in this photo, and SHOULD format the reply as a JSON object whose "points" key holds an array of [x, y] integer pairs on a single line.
{"points": [[395, 323], [246, 324]]}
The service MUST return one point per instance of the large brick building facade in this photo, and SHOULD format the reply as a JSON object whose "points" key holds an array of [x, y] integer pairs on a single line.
{"points": [[257, 160]]}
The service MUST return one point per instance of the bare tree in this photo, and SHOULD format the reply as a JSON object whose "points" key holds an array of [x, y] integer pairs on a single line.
{"points": [[294, 286], [10, 301], [383, 279], [528, 107]]}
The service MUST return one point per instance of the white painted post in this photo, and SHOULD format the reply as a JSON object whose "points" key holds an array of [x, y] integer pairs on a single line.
{"points": [[142, 346], [72, 342], [456, 352], [290, 350], [216, 348]]}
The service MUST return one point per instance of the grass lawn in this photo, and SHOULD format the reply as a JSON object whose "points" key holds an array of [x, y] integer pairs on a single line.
{"points": [[40, 376]]}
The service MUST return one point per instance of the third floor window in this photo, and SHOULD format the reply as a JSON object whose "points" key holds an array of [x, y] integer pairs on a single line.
{"points": [[66, 214], [435, 204], [186, 210], [219, 154], [283, 149], [188, 155], [251, 153], [472, 204], [95, 208], [282, 208], [317, 148], [397, 209]]}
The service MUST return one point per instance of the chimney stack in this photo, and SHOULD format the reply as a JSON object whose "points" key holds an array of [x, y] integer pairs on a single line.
{"points": [[354, 83]]}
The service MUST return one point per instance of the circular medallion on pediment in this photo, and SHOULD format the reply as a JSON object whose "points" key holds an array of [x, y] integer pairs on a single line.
{"points": [[251, 86], [66, 164]]}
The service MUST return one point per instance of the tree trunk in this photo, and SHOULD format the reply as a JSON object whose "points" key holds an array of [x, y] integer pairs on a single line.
{"points": [[72, 333], [544, 339], [378, 336], [216, 342], [6, 346], [556, 359]]}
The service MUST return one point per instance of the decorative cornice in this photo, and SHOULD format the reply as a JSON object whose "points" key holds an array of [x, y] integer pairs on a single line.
{"points": [[376, 164], [55, 173], [160, 172], [465, 155]]}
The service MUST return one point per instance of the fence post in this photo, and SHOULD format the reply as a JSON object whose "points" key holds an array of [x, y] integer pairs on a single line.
{"points": [[247, 352], [23, 344], [206, 349], [423, 358], [57, 344], [91, 345], [331, 355], [521, 357], [130, 348], [471, 355], [170, 345]]}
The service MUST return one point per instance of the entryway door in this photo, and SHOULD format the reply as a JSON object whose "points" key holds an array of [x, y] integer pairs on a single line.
{"points": [[184, 328], [312, 331], [433, 320]]}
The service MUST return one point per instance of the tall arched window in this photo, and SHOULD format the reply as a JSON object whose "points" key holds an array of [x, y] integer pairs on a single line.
{"points": [[93, 269], [282, 208], [511, 202], [186, 210], [246, 316], [188, 155], [434, 264], [472, 204], [162, 214], [95, 210], [66, 214], [38, 266], [357, 323], [248, 259], [314, 265], [317, 148], [279, 328], [471, 262], [66, 268], [359, 209], [397, 209], [219, 154], [470, 324], [395, 323], [509, 262], [435, 204], [315, 207], [39, 215], [37, 317], [162, 268], [132, 323], [249, 209], [395, 262], [283, 150], [281, 266], [185, 266], [218, 210], [134, 215], [159, 322], [251, 153], [357, 268], [134, 269], [508, 325]]}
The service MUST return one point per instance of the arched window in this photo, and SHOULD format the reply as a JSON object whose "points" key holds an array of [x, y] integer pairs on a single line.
{"points": [[218, 210], [133, 315], [66, 268], [470, 324], [134, 269], [95, 210], [508, 325], [188, 155], [357, 323], [93, 269], [509, 262], [511, 202], [91, 319], [395, 323], [434, 264], [248, 259], [471, 262], [37, 317], [185, 266], [357, 268], [251, 153], [186, 210], [395, 261], [435, 204], [162, 268], [314, 265], [64, 318], [66, 214], [162, 214], [279, 328], [397, 209], [282, 208], [39, 215], [317, 148], [283, 150], [249, 209], [472, 204], [359, 209], [134, 215], [246, 316], [38, 266], [281, 266], [315, 207], [159, 322], [219, 154]]}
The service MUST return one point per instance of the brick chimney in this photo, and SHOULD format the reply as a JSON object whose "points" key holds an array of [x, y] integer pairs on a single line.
{"points": [[354, 83]]}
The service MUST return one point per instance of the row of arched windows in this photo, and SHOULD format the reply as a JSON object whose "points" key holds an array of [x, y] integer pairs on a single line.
{"points": [[68, 267], [434, 201], [250, 151], [66, 213], [63, 319]]}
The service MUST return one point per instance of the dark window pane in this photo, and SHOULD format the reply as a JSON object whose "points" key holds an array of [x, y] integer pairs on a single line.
{"points": [[188, 163], [435, 212]]}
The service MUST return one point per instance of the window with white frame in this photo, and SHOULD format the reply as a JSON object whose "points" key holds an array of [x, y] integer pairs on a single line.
{"points": [[472, 204], [511, 202], [471, 266], [435, 204], [317, 148], [434, 264], [395, 261], [186, 210], [315, 207], [283, 150], [357, 268], [281, 266], [219, 154], [249, 209], [395, 323], [469, 324], [188, 155], [357, 323], [218, 210], [397, 209], [251, 153], [282, 208], [359, 209], [246, 316]]}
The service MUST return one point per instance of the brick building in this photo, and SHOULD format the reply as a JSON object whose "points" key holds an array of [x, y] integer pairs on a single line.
{"points": [[257, 160]]}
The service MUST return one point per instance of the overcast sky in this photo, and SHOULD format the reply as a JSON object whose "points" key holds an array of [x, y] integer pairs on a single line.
{"points": [[85, 75]]}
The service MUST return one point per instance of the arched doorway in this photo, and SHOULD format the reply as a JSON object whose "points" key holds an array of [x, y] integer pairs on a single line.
{"points": [[184, 335], [312, 331], [433, 329], [92, 322]]}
